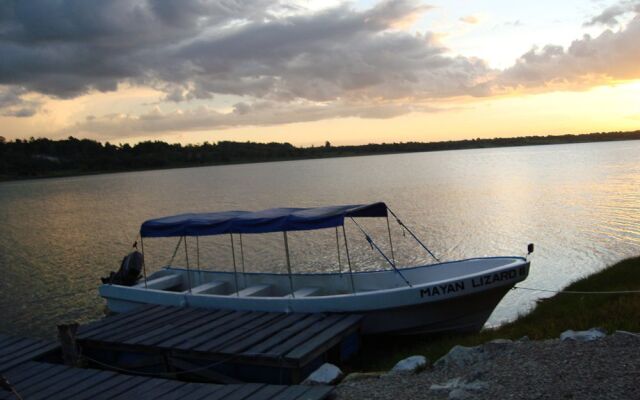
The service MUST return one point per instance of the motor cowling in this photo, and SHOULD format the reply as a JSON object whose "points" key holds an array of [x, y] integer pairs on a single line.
{"points": [[129, 272]]}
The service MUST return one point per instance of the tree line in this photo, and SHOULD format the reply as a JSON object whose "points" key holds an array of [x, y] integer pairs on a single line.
{"points": [[41, 157]]}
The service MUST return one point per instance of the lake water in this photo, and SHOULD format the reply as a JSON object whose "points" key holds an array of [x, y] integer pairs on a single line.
{"points": [[579, 203]]}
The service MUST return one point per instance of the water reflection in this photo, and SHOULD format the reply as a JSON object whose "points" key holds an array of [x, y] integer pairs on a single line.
{"points": [[578, 203]]}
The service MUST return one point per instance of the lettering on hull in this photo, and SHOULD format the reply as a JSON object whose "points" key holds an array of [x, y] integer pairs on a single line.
{"points": [[484, 280]]}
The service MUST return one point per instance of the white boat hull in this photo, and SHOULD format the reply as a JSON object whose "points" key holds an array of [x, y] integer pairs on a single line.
{"points": [[456, 296]]}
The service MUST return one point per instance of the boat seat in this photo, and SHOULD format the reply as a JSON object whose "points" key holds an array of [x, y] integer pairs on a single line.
{"points": [[163, 282], [305, 291], [258, 290], [213, 287]]}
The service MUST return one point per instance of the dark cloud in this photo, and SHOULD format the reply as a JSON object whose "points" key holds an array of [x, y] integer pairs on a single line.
{"points": [[12, 104], [197, 48]]}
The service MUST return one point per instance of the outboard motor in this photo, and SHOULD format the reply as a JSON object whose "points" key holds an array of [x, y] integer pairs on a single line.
{"points": [[129, 271]]}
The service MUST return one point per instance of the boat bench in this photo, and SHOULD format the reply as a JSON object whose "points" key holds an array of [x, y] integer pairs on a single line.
{"points": [[305, 291], [257, 290], [163, 282], [214, 287]]}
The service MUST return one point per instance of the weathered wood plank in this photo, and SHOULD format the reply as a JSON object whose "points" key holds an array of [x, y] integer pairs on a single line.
{"points": [[243, 392], [316, 393], [190, 315], [188, 389], [26, 347], [284, 335], [187, 328], [28, 356], [145, 321], [87, 329], [262, 334], [292, 392], [324, 339], [15, 347], [106, 392], [115, 385], [165, 387], [7, 341], [239, 332], [63, 382], [210, 392], [219, 330], [305, 335], [268, 392], [24, 371], [39, 383], [185, 340], [132, 318], [139, 391], [102, 377]]}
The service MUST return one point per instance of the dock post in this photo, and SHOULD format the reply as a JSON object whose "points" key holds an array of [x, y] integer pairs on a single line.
{"points": [[68, 344]]}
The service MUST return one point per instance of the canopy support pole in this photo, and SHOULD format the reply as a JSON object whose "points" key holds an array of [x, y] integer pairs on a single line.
{"points": [[338, 250], [244, 277], [144, 264], [186, 254], [374, 245], [393, 257], [286, 250], [198, 252], [413, 235], [235, 269], [175, 251], [346, 246]]}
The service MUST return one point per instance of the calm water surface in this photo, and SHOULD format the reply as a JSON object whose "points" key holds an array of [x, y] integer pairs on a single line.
{"points": [[579, 203]]}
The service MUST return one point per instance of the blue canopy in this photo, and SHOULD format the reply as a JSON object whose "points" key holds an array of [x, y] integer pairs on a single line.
{"points": [[272, 220]]}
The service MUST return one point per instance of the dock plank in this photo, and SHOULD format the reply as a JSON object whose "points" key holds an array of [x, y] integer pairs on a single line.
{"points": [[209, 316], [177, 325], [239, 332], [109, 387], [244, 391], [137, 325], [184, 339], [325, 338], [220, 330], [99, 379], [246, 342], [62, 382], [87, 329], [316, 393], [305, 335], [284, 335]]}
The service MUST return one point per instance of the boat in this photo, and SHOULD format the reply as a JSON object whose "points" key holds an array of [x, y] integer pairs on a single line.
{"points": [[452, 296]]}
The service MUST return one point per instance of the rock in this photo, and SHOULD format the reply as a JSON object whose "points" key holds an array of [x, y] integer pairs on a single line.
{"points": [[525, 338], [460, 385], [410, 364], [583, 336], [501, 341], [360, 376], [327, 374], [459, 394], [461, 356]]}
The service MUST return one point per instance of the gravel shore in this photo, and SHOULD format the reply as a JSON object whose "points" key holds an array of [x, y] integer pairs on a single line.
{"points": [[608, 368]]}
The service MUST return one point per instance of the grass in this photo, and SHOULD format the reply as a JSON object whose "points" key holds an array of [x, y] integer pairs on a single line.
{"points": [[550, 317]]}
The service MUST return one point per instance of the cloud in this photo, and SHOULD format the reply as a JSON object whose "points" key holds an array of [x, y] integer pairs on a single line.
{"points": [[12, 103], [470, 19], [611, 56], [610, 15], [263, 113]]}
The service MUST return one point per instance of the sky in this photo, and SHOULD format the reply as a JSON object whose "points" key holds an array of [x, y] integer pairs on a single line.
{"points": [[304, 72]]}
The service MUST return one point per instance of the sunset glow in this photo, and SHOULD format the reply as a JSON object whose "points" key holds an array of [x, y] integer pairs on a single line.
{"points": [[307, 72]]}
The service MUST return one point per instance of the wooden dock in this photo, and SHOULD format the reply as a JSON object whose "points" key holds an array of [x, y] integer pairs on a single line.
{"points": [[44, 380], [221, 345]]}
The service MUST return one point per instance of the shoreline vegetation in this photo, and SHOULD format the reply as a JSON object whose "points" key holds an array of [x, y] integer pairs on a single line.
{"points": [[550, 317], [46, 158]]}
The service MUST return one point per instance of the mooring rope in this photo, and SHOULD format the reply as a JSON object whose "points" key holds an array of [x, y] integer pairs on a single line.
{"points": [[578, 291]]}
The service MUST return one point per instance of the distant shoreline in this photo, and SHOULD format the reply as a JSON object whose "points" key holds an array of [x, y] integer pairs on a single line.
{"points": [[44, 158]]}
